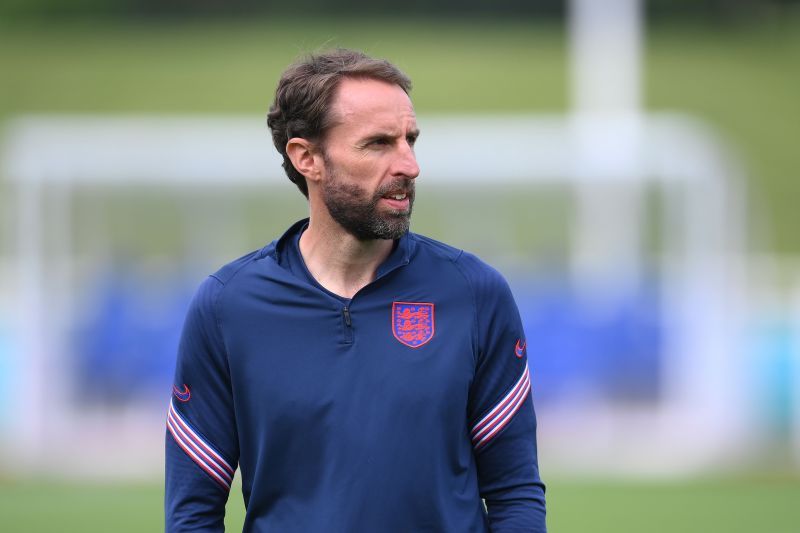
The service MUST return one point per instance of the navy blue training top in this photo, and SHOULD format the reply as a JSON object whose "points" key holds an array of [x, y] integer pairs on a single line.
{"points": [[396, 411]]}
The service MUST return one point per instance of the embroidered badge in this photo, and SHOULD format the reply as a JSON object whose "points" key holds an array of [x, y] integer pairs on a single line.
{"points": [[519, 349], [412, 323], [182, 395]]}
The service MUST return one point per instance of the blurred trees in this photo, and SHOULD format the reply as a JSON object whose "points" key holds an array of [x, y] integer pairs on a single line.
{"points": [[56, 9], [720, 10]]}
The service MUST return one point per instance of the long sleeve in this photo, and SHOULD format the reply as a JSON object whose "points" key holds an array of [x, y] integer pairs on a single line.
{"points": [[502, 418], [201, 440]]}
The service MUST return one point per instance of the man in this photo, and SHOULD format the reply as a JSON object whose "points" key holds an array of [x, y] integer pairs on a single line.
{"points": [[364, 378]]}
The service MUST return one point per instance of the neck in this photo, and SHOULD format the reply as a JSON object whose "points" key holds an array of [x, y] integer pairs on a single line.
{"points": [[337, 260]]}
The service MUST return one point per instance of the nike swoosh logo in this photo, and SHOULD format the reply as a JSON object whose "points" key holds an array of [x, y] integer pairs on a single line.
{"points": [[519, 351], [182, 395]]}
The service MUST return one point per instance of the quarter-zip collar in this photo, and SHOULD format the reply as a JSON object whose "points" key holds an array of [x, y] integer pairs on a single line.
{"points": [[399, 257]]}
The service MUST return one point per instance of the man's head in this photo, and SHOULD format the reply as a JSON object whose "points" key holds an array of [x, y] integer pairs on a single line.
{"points": [[302, 105], [346, 129]]}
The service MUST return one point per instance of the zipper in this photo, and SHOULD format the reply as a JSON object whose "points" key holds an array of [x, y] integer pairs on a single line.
{"points": [[348, 325]]}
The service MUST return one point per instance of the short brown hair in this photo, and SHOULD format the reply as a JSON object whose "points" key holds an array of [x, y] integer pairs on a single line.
{"points": [[305, 90]]}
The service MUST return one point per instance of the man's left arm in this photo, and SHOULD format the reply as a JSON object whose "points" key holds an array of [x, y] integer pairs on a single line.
{"points": [[502, 418]]}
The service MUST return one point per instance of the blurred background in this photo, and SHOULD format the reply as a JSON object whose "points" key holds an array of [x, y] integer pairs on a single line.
{"points": [[630, 166]]}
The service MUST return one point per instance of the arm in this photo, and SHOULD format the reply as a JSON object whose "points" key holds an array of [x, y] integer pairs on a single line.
{"points": [[502, 419], [201, 442]]}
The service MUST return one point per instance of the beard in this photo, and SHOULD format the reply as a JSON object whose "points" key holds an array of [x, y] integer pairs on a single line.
{"points": [[352, 207]]}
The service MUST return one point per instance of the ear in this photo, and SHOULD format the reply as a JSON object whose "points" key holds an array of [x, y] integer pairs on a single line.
{"points": [[305, 158]]}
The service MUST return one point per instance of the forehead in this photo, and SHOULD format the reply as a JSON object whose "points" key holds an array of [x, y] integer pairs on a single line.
{"points": [[366, 104]]}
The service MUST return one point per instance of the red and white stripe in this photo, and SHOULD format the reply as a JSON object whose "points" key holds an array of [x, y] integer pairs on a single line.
{"points": [[502, 413], [198, 449]]}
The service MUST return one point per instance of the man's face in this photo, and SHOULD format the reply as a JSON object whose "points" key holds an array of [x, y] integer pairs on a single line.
{"points": [[370, 167]]}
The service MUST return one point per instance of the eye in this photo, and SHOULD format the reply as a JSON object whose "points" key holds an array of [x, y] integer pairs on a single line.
{"points": [[378, 142], [411, 139]]}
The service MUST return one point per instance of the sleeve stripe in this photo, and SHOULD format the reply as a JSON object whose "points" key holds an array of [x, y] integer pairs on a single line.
{"points": [[194, 447], [197, 460], [491, 424], [196, 451], [502, 403], [197, 439], [503, 423]]}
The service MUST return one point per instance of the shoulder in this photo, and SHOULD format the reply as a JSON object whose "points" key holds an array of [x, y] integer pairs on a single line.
{"points": [[213, 286], [229, 271], [435, 249], [483, 279], [490, 289], [477, 272]]}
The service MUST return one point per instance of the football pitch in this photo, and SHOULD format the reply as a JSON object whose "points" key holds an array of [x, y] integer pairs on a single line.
{"points": [[730, 506], [742, 81]]}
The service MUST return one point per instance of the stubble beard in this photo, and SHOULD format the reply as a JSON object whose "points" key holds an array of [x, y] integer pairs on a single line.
{"points": [[352, 208]]}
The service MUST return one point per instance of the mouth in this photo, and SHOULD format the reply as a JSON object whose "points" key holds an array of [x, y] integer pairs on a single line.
{"points": [[397, 201]]}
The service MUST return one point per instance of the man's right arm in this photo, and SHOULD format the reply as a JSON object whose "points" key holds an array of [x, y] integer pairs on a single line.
{"points": [[201, 440]]}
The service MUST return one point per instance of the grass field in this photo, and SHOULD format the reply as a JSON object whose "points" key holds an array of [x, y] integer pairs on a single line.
{"points": [[742, 79], [729, 506]]}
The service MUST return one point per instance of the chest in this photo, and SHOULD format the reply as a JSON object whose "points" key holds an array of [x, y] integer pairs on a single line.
{"points": [[400, 355]]}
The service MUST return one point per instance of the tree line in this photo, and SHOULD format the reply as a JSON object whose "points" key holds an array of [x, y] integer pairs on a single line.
{"points": [[540, 9]]}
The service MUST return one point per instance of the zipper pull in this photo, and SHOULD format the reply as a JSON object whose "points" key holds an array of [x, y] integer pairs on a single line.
{"points": [[346, 313]]}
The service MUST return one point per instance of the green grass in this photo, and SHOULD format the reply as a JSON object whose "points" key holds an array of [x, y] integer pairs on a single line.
{"points": [[742, 79], [745, 82], [234, 66], [730, 506]]}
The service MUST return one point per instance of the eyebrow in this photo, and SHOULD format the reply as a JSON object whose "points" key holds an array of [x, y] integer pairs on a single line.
{"points": [[386, 135]]}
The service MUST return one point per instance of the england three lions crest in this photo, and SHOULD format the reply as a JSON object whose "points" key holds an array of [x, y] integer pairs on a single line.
{"points": [[412, 323]]}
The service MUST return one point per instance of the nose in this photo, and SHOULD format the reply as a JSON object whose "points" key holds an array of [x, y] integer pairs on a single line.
{"points": [[406, 163]]}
